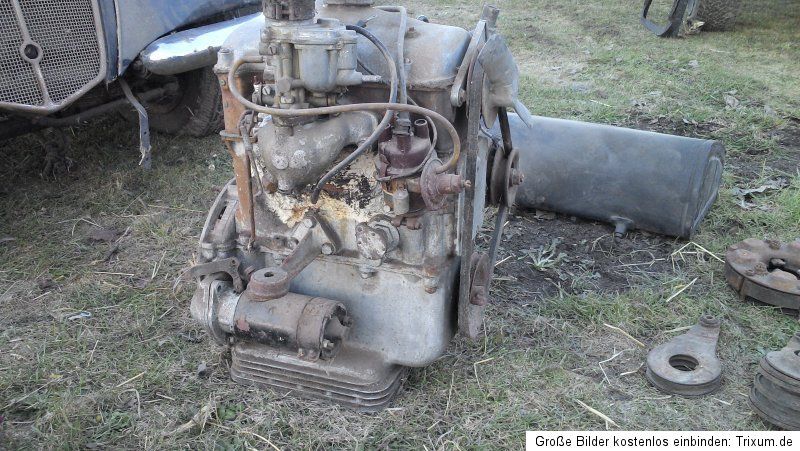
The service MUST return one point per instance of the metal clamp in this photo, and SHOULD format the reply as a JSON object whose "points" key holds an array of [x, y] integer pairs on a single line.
{"points": [[144, 125], [229, 266]]}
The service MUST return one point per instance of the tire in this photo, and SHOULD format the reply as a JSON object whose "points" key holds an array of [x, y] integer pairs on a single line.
{"points": [[196, 110], [716, 15]]}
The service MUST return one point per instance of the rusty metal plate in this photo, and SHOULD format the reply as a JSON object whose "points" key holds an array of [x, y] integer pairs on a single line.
{"points": [[471, 319], [775, 395], [688, 365], [765, 270]]}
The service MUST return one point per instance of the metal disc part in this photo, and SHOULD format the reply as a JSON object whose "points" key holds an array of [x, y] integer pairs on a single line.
{"points": [[687, 365], [775, 395], [767, 271], [513, 178], [505, 178]]}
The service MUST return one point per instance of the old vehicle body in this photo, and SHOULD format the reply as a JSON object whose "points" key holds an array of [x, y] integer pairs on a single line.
{"points": [[63, 62]]}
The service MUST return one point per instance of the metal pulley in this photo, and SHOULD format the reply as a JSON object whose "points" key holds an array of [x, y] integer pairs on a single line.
{"points": [[775, 395], [505, 179]]}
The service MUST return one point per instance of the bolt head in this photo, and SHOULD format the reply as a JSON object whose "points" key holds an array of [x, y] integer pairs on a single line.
{"points": [[517, 177], [327, 249]]}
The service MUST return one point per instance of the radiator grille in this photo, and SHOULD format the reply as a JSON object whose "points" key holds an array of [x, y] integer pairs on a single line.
{"points": [[71, 61], [17, 79]]}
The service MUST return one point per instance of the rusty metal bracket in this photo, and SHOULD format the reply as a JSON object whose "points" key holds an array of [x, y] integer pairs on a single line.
{"points": [[477, 269], [310, 238], [673, 27], [481, 277], [470, 316], [688, 365], [767, 271], [775, 395], [144, 125], [458, 94], [229, 266]]}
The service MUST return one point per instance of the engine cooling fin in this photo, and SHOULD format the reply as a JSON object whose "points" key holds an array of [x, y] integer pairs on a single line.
{"points": [[354, 378]]}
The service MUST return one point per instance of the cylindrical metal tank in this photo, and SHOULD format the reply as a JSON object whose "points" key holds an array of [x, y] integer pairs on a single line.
{"points": [[631, 178]]}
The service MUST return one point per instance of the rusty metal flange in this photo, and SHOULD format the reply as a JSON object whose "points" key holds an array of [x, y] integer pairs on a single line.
{"points": [[688, 365], [766, 271], [775, 395]]}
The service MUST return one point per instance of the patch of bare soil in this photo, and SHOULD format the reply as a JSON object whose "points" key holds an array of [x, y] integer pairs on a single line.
{"points": [[789, 140], [689, 129], [755, 164], [535, 34], [543, 254]]}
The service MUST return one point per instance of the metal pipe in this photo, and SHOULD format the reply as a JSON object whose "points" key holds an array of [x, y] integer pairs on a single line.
{"points": [[631, 178], [443, 121], [387, 116], [19, 126], [401, 45], [83, 116]]}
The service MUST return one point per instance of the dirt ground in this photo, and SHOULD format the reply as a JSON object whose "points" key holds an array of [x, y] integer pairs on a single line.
{"points": [[97, 349]]}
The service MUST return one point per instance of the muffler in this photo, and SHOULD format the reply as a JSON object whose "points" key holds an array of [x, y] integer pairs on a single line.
{"points": [[632, 179]]}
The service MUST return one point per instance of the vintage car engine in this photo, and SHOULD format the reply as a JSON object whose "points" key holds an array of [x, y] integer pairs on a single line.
{"points": [[342, 252], [366, 147]]}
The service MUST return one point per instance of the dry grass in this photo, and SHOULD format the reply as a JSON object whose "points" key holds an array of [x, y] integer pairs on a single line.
{"points": [[126, 377]]}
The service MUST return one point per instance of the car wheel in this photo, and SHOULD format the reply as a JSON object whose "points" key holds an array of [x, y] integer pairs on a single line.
{"points": [[195, 110], [716, 15]]}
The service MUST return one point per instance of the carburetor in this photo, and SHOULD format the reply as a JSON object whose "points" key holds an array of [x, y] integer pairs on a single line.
{"points": [[342, 252]]}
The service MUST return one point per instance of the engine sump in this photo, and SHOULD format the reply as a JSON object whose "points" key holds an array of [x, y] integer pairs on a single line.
{"points": [[355, 378]]}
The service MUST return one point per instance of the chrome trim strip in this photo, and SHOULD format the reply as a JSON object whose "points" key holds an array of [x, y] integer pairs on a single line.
{"points": [[191, 49]]}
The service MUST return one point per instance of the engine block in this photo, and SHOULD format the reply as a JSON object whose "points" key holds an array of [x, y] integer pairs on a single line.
{"points": [[337, 256], [366, 148]]}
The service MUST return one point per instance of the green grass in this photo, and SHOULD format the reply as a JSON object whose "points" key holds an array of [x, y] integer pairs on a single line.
{"points": [[589, 60]]}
